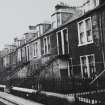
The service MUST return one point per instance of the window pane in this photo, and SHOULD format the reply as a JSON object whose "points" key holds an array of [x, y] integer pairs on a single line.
{"points": [[36, 48], [84, 67], [65, 41], [88, 30], [81, 33], [58, 19], [71, 67], [81, 27], [48, 41], [89, 36], [82, 38], [28, 52], [88, 24], [96, 2], [59, 43], [45, 46], [23, 52], [91, 66]]}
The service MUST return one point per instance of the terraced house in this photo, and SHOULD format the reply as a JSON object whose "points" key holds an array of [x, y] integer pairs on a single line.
{"points": [[61, 55]]}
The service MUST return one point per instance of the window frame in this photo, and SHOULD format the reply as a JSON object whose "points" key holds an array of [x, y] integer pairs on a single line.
{"points": [[28, 52], [87, 64], [70, 72], [58, 41], [35, 49], [62, 40], [66, 39], [97, 3], [85, 34], [48, 42]]}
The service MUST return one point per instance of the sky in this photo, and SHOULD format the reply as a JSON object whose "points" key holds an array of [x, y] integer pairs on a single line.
{"points": [[17, 15]]}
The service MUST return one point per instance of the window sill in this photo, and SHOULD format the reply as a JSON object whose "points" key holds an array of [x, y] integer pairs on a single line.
{"points": [[79, 45], [34, 56], [45, 54]]}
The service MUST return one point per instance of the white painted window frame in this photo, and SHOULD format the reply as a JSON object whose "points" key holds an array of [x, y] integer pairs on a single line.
{"points": [[87, 63], [44, 45], [62, 40], [47, 42], [60, 18], [90, 5], [28, 55], [34, 49], [97, 2], [84, 23], [69, 74], [19, 55], [57, 42]]}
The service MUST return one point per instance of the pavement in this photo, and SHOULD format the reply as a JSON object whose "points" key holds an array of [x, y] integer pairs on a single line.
{"points": [[16, 100], [1, 103], [42, 96]]}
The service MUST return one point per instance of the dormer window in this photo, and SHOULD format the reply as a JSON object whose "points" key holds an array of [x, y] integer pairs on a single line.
{"points": [[63, 13], [96, 2], [90, 4]]}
